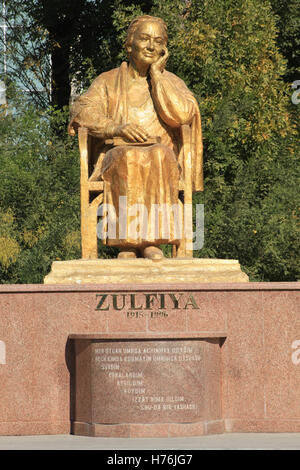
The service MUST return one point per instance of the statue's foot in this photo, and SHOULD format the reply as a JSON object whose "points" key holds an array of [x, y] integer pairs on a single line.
{"points": [[153, 252], [127, 254]]}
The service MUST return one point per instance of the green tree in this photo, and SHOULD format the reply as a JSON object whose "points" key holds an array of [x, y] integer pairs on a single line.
{"points": [[39, 193], [288, 39], [60, 44], [227, 54]]}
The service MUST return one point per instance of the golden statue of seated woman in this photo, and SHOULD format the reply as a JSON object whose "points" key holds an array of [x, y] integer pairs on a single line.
{"points": [[137, 113]]}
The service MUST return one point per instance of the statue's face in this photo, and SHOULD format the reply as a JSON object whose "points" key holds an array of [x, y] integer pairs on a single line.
{"points": [[148, 43]]}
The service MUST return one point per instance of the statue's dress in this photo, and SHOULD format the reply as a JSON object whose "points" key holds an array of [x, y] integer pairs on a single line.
{"points": [[141, 183]]}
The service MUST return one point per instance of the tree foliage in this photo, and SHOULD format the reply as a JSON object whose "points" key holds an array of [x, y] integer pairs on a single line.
{"points": [[227, 53], [288, 38], [58, 45], [39, 194]]}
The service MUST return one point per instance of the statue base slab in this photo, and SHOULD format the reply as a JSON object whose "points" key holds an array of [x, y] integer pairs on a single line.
{"points": [[145, 271]]}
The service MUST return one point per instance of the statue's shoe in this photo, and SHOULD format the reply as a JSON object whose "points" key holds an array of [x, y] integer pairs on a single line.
{"points": [[153, 252], [127, 254]]}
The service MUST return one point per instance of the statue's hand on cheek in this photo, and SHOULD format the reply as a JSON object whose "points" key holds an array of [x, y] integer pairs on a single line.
{"points": [[158, 67]]}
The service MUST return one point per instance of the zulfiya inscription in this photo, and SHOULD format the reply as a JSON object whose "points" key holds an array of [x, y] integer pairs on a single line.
{"points": [[146, 301]]}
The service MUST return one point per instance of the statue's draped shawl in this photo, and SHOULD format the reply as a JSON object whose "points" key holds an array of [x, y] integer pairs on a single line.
{"points": [[106, 103]]}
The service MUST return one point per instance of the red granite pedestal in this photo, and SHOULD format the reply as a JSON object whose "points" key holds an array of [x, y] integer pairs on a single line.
{"points": [[229, 354]]}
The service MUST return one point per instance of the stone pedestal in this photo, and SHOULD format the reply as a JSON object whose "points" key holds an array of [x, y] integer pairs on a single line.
{"points": [[245, 340], [145, 271], [147, 387]]}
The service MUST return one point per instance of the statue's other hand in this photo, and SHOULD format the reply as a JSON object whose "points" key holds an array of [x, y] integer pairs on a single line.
{"points": [[72, 128], [131, 132], [159, 66]]}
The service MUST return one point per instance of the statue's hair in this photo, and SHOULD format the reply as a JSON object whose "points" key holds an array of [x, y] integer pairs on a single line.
{"points": [[143, 19]]}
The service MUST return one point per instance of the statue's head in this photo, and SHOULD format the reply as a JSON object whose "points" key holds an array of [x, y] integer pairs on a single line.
{"points": [[147, 37]]}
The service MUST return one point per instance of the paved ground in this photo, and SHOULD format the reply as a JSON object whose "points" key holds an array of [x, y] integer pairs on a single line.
{"points": [[289, 441]]}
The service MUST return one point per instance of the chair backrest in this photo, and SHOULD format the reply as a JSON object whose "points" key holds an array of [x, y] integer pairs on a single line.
{"points": [[91, 196]]}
